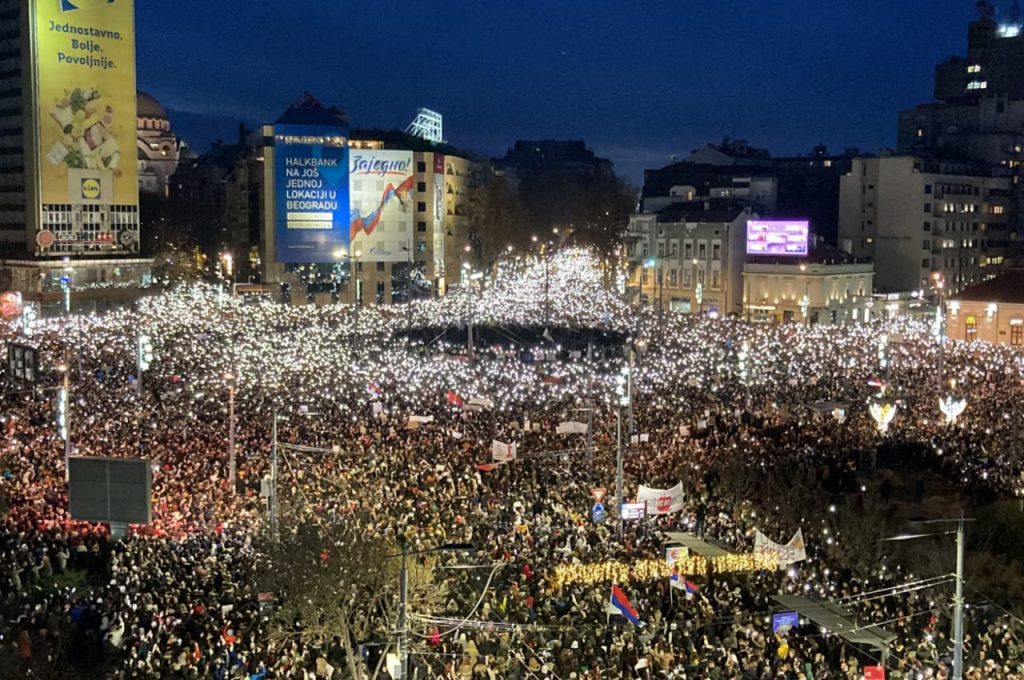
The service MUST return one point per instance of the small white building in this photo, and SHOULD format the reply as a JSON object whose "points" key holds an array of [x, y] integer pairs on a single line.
{"points": [[826, 287]]}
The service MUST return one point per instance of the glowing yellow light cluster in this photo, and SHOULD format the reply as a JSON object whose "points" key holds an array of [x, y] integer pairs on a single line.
{"points": [[612, 571]]}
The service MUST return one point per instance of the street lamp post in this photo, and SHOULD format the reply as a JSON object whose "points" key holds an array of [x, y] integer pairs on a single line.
{"points": [[940, 285], [403, 597], [958, 602], [232, 470]]}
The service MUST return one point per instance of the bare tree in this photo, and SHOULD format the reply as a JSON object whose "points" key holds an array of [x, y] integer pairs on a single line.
{"points": [[343, 581]]}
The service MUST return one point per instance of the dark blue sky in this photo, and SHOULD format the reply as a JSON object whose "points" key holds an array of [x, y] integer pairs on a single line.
{"points": [[639, 80]]}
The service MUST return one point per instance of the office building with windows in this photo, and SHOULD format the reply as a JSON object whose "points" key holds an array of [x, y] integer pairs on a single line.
{"points": [[688, 260], [915, 218]]}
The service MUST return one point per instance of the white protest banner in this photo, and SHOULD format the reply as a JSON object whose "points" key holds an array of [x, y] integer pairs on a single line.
{"points": [[502, 452], [571, 427], [482, 402], [661, 501], [792, 552]]}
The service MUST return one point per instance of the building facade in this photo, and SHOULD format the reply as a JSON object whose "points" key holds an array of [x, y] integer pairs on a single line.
{"points": [[826, 287], [914, 218], [688, 262], [992, 311], [68, 170], [158, 148], [410, 245], [733, 173], [978, 112]]}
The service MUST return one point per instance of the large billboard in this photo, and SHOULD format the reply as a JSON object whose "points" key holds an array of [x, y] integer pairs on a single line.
{"points": [[113, 490], [383, 204], [439, 215], [777, 237], [311, 193], [85, 51]]}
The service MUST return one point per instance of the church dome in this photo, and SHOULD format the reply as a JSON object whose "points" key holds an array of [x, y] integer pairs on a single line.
{"points": [[148, 107]]}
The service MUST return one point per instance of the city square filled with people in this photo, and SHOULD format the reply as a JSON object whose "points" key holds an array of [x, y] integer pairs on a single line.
{"points": [[393, 431]]}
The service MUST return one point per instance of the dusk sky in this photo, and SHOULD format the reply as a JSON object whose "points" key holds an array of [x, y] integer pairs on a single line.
{"points": [[639, 80]]}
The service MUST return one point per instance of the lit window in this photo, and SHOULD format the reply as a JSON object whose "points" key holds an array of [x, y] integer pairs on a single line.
{"points": [[974, 68], [998, 210], [977, 85]]}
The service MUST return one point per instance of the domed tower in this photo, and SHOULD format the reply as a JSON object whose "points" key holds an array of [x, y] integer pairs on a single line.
{"points": [[159, 149]]}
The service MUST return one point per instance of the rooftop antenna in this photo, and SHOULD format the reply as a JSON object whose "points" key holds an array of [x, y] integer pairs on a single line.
{"points": [[428, 125]]}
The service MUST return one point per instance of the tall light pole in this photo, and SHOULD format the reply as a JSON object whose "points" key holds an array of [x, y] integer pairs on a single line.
{"points": [[403, 597], [958, 602], [470, 276], [230, 377], [272, 495], [940, 312], [143, 359], [64, 411]]}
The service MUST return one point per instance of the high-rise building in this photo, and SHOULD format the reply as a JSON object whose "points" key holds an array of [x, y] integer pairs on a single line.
{"points": [[68, 159], [915, 218], [978, 112]]}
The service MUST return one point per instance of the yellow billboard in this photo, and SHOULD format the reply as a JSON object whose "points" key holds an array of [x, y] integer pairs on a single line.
{"points": [[85, 103]]}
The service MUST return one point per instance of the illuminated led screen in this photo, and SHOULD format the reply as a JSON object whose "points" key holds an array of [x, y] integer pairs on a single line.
{"points": [[777, 237]]}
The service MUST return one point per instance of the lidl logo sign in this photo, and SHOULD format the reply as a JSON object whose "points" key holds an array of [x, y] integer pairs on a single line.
{"points": [[90, 188], [72, 5]]}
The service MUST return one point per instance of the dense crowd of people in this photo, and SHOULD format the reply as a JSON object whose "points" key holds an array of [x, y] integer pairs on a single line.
{"points": [[398, 435]]}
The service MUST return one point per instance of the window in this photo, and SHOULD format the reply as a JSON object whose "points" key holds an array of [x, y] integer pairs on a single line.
{"points": [[661, 249], [380, 266], [970, 328], [926, 244], [421, 206], [716, 278], [927, 207], [421, 186], [643, 276], [927, 188], [998, 210], [1016, 332], [927, 226], [673, 277], [716, 251], [688, 250], [977, 85], [673, 249], [421, 167], [702, 251], [926, 263], [421, 226], [687, 277], [974, 68]]}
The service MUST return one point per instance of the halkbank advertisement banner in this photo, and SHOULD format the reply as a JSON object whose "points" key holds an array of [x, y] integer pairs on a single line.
{"points": [[86, 101], [311, 196]]}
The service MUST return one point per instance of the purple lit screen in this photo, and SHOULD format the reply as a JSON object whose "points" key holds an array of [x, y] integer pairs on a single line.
{"points": [[777, 237]]}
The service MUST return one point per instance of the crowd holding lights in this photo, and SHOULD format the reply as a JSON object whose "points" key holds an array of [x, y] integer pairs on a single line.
{"points": [[712, 396]]}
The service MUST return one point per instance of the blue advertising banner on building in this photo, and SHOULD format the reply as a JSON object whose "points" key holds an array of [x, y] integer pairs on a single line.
{"points": [[311, 193]]}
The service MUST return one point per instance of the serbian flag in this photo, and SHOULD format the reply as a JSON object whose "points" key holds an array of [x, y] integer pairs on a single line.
{"points": [[373, 390], [455, 399], [624, 606], [677, 580]]}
